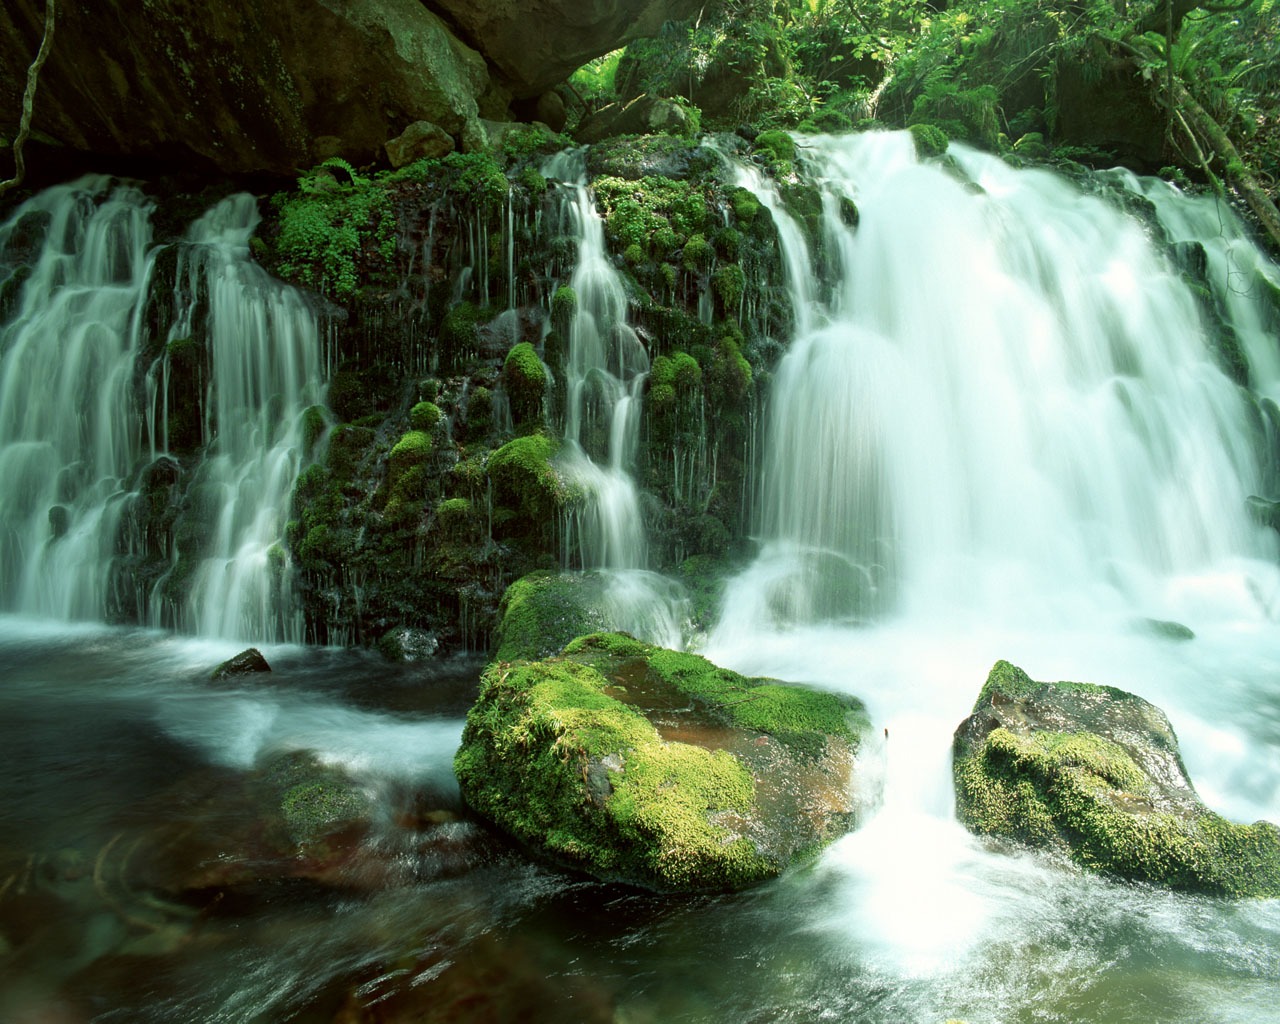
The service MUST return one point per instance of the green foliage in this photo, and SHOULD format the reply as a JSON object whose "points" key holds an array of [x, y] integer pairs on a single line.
{"points": [[329, 231], [641, 212]]}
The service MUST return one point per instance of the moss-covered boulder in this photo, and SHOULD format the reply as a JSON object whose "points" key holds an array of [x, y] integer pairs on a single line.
{"points": [[656, 768], [1094, 772], [543, 611]]}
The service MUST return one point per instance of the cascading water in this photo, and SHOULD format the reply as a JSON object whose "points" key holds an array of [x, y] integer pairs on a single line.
{"points": [[605, 371], [1002, 430], [69, 436], [265, 353], [84, 414]]}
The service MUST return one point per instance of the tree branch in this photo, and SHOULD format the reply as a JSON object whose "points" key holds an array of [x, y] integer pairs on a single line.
{"points": [[29, 99]]}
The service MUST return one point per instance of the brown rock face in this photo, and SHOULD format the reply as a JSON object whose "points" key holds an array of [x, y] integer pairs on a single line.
{"points": [[535, 44], [239, 85]]}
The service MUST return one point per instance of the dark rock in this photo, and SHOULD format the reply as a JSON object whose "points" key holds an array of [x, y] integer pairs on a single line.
{"points": [[245, 663], [241, 87], [406, 644], [534, 45], [656, 768], [420, 140], [641, 116], [1094, 772]]}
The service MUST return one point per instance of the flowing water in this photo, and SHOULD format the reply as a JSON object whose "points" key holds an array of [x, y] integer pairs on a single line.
{"points": [[605, 372], [85, 413], [1002, 431]]}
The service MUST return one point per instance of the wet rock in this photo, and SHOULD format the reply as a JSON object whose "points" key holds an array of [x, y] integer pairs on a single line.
{"points": [[420, 140], [534, 45], [246, 663], [1094, 772], [543, 611], [656, 768], [405, 644]]}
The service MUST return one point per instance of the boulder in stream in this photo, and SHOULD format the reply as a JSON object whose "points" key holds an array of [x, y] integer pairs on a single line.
{"points": [[656, 768], [246, 663], [1094, 772]]}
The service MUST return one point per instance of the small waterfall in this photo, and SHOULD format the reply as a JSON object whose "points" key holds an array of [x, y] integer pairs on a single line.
{"points": [[605, 372], [69, 423], [264, 348], [85, 382]]}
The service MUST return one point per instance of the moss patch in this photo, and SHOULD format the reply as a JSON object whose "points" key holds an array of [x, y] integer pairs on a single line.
{"points": [[1094, 772], [655, 767]]}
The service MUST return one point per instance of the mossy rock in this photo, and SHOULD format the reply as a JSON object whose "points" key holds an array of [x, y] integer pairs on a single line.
{"points": [[315, 806], [543, 611], [524, 479], [1094, 772], [525, 381], [930, 140], [656, 768]]}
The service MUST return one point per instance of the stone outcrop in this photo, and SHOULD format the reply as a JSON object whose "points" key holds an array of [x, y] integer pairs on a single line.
{"points": [[242, 87], [656, 768], [1094, 772], [532, 45]]}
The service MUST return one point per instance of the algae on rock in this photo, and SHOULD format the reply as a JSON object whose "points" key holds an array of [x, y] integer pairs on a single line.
{"points": [[1094, 772], [657, 768]]}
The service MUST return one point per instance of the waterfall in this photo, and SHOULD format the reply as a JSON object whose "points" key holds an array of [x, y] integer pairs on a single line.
{"points": [[1004, 429], [1008, 399], [605, 372], [264, 349], [85, 381]]}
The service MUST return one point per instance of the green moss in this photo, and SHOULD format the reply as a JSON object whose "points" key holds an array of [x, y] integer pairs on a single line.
{"points": [[745, 206], [698, 254], [425, 416], [652, 213], [533, 182], [634, 255], [413, 449], [524, 478], [478, 178], [543, 611], [525, 382], [730, 284], [930, 140], [564, 307], [1077, 785], [780, 149], [549, 756], [1007, 681], [797, 716]]}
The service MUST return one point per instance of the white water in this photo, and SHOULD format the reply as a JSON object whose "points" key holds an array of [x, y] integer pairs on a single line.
{"points": [[81, 413], [265, 352], [605, 372], [1002, 434]]}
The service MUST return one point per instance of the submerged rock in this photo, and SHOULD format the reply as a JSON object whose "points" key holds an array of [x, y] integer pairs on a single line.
{"points": [[1095, 772], [656, 768], [246, 663]]}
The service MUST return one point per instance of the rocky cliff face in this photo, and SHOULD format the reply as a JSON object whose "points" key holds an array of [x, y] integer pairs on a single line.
{"points": [[243, 87]]}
